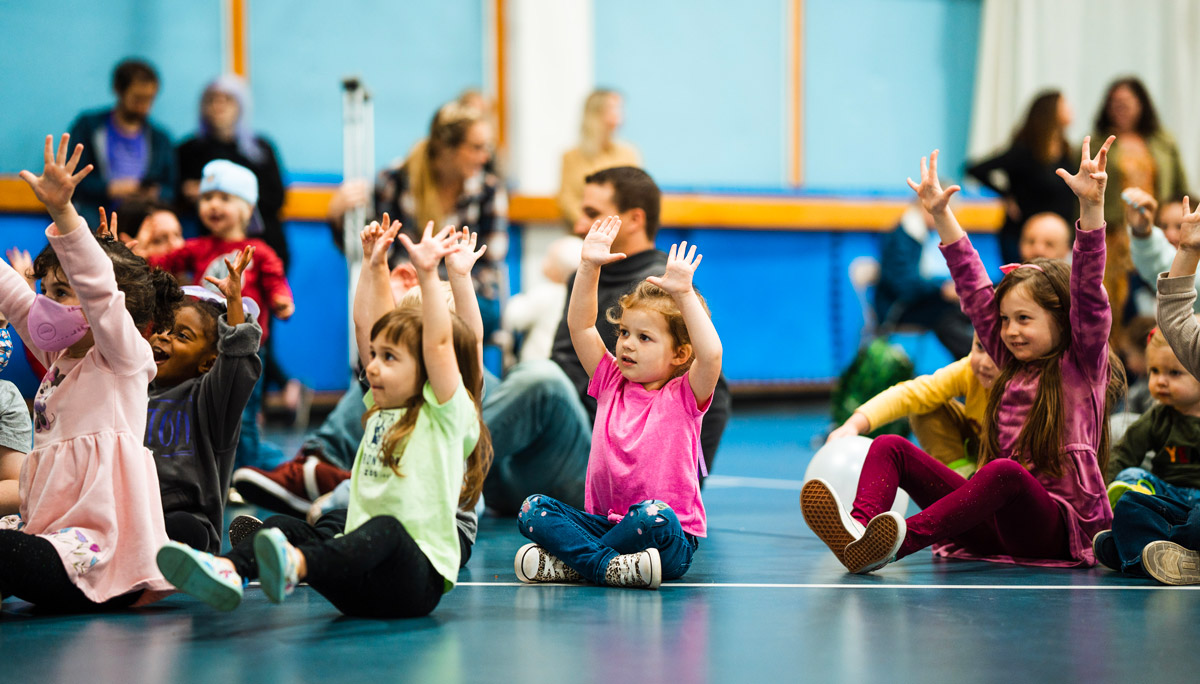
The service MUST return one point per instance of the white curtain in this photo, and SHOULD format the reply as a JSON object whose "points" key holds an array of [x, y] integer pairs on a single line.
{"points": [[1078, 47]]}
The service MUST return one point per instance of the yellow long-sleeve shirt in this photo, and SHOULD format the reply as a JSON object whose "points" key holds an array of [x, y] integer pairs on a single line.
{"points": [[576, 167], [927, 392]]}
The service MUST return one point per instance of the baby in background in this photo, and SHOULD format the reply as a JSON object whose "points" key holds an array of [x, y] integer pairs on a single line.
{"points": [[537, 312], [1171, 430]]}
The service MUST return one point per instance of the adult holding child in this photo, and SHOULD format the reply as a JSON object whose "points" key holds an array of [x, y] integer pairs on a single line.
{"points": [[1029, 185]]}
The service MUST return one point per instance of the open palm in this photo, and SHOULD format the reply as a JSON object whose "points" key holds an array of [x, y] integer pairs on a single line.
{"points": [[56, 185], [597, 245], [1089, 182], [678, 277], [933, 198]]}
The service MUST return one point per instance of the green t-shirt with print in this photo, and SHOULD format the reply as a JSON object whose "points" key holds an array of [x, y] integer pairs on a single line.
{"points": [[424, 496]]}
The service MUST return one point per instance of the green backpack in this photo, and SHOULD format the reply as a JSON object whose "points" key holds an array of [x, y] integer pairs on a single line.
{"points": [[878, 366]]}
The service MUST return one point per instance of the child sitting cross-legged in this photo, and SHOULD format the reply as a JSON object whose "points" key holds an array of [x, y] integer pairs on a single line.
{"points": [[643, 508], [207, 366], [1171, 430]]}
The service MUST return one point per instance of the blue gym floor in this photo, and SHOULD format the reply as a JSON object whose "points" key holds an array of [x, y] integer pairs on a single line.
{"points": [[763, 601]]}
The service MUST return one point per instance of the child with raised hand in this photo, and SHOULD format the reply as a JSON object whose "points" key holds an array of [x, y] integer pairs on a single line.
{"points": [[91, 516], [643, 511], [1171, 429], [1038, 496], [400, 550], [948, 429], [207, 366], [1152, 250], [228, 195]]}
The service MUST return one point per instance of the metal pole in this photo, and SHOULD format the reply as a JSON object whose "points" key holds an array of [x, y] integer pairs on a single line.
{"points": [[358, 164]]}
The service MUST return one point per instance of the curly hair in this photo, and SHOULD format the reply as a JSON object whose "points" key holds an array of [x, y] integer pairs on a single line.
{"points": [[647, 295]]}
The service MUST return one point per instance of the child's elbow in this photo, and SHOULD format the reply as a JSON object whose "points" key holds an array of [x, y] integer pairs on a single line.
{"points": [[710, 357]]}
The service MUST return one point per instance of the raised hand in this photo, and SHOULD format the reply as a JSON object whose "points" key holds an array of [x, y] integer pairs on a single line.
{"points": [[376, 239], [934, 199], [1189, 232], [56, 185], [463, 258], [22, 263], [1140, 208], [678, 278], [283, 308], [597, 244], [231, 284], [1088, 183], [426, 254]]}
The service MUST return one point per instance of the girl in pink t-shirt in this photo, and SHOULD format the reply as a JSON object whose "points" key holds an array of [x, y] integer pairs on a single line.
{"points": [[643, 508], [91, 517]]}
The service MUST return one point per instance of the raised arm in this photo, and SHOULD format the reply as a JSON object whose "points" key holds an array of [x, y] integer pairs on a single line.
{"points": [[231, 286], [936, 201], [581, 311], [1177, 294], [1091, 317], [57, 183], [458, 270], [437, 338], [373, 295], [706, 344]]}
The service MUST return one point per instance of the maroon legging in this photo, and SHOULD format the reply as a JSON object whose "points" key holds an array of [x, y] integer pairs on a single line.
{"points": [[1002, 510]]}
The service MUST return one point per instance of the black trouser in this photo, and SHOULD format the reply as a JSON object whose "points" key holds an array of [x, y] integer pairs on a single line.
{"points": [[32, 570], [183, 527], [375, 571]]}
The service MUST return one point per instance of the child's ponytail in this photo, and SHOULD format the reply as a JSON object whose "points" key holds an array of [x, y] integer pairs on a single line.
{"points": [[167, 298]]}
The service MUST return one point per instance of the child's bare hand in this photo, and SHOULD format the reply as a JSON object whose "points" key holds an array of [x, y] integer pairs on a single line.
{"points": [[56, 185], [283, 308], [1140, 208], [426, 254], [377, 239], [1189, 231], [678, 278], [1088, 183], [463, 258], [597, 245], [934, 199], [22, 263], [231, 284]]}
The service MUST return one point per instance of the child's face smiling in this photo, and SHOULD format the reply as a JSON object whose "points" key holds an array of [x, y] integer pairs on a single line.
{"points": [[645, 351], [185, 352], [1028, 330], [392, 372], [225, 215]]}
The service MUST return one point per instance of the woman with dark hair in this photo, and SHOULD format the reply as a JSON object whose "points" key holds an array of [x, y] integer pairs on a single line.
{"points": [[1145, 156], [225, 133], [1030, 187]]}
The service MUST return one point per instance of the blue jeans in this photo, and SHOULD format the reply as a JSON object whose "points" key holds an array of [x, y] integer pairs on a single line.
{"points": [[588, 542], [252, 450], [1185, 495], [541, 437], [1140, 519]]}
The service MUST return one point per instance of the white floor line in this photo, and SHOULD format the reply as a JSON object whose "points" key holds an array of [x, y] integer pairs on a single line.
{"points": [[722, 481], [988, 587]]}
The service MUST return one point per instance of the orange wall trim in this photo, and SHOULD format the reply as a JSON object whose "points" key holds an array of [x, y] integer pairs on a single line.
{"points": [[309, 203], [237, 36]]}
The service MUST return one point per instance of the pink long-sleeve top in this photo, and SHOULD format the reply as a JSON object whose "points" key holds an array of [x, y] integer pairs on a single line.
{"points": [[1079, 491], [89, 486]]}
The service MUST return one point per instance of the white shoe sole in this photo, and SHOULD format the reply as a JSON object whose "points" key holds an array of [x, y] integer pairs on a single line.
{"points": [[878, 545], [182, 569], [261, 490], [1171, 563]]}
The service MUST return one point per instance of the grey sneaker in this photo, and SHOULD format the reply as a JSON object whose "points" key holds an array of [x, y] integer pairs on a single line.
{"points": [[1171, 563], [642, 570], [535, 564]]}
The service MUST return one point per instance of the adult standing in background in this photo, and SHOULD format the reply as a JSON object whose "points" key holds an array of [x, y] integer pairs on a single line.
{"points": [[598, 149], [133, 157], [1030, 186], [444, 180], [225, 133], [1145, 156]]}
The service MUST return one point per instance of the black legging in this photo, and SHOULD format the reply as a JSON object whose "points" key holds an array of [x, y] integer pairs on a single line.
{"points": [[32, 570], [183, 527], [375, 571]]}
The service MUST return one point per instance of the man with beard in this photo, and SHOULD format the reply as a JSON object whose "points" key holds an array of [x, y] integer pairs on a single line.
{"points": [[133, 158]]}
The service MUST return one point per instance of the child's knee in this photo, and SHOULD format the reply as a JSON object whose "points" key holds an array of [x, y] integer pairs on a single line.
{"points": [[1132, 474], [532, 507], [652, 513]]}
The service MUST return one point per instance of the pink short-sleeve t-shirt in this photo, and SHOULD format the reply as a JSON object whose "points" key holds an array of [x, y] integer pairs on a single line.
{"points": [[645, 445]]}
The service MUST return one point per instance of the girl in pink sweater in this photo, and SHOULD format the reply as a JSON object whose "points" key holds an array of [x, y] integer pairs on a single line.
{"points": [[91, 519], [1038, 497]]}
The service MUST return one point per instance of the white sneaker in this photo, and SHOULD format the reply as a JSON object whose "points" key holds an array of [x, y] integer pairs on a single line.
{"points": [[277, 563], [1171, 563], [878, 544], [828, 519], [642, 570], [535, 564]]}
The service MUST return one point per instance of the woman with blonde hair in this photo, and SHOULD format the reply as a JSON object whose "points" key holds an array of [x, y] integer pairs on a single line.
{"points": [[598, 149]]}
